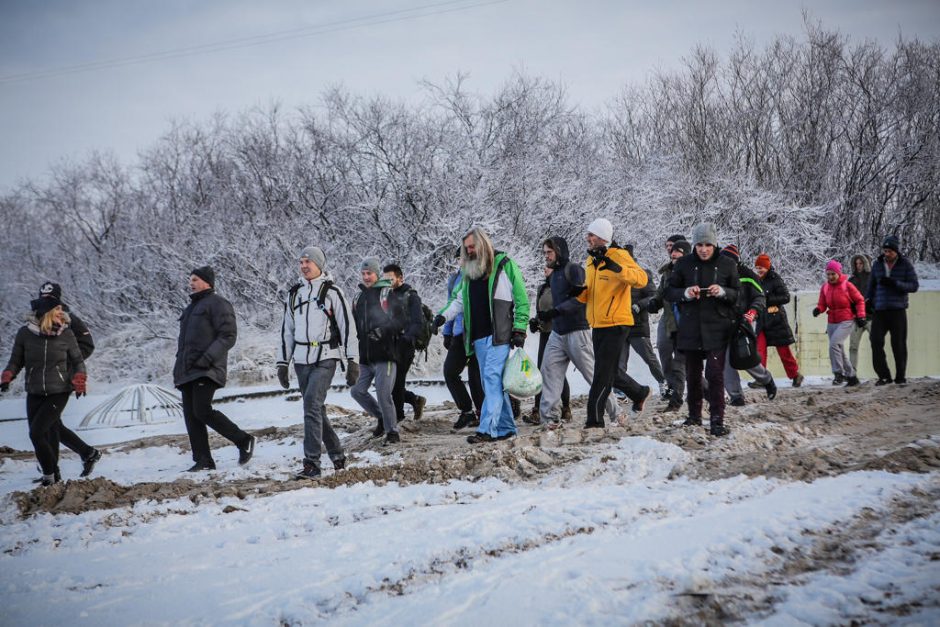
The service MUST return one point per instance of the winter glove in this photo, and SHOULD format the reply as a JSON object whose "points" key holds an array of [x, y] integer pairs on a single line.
{"points": [[598, 253], [636, 309], [887, 281], [517, 339], [576, 290], [439, 321], [376, 335], [652, 307], [448, 340], [547, 315], [750, 315], [816, 312], [5, 380], [534, 325], [610, 264], [79, 382], [282, 376], [860, 322], [352, 372]]}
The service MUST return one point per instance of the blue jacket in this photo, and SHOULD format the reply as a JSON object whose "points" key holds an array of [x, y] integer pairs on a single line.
{"points": [[565, 276], [893, 296], [455, 326]]}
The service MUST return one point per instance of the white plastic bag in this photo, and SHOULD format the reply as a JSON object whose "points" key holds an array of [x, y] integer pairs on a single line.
{"points": [[521, 378]]}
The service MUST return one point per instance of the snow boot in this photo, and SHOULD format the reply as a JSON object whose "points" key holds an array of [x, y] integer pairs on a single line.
{"points": [[88, 464], [339, 464], [675, 402], [533, 417], [838, 379], [48, 480], [391, 438], [717, 428], [310, 471], [379, 431], [566, 413]]}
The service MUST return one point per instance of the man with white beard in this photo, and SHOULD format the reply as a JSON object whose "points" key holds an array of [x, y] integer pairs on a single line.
{"points": [[492, 297]]}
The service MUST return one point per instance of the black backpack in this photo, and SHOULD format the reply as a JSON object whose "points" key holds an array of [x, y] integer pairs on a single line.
{"points": [[423, 340]]}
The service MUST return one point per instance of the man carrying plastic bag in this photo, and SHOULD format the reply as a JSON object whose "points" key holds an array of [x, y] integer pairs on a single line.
{"points": [[521, 377]]}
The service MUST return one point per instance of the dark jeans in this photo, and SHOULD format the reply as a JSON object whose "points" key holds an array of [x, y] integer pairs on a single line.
{"points": [[70, 440], [454, 363], [608, 342], [400, 395], [44, 415], [713, 363], [314, 382], [893, 321], [198, 414], [566, 390]]}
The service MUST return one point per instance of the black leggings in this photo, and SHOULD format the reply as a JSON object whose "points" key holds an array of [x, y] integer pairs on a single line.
{"points": [[44, 414], [198, 414]]}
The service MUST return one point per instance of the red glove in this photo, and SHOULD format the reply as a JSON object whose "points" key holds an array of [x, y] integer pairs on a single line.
{"points": [[79, 381], [5, 380], [751, 315]]}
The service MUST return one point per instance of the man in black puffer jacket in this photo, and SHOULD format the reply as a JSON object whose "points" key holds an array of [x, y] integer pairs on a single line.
{"points": [[705, 284], [207, 332], [892, 278]]}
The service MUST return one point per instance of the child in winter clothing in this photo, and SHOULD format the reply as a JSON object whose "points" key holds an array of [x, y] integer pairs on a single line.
{"points": [[775, 328], [845, 308]]}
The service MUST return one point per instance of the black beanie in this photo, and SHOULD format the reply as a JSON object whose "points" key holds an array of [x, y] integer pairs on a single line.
{"points": [[675, 238], [44, 305], [50, 289], [206, 273], [892, 242], [682, 245]]}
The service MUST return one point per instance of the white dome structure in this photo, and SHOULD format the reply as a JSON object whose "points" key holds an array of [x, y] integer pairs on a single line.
{"points": [[134, 405]]}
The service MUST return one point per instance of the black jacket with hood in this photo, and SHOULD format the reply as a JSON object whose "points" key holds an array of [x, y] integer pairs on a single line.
{"points": [[50, 361], [705, 324], [776, 326], [406, 299], [207, 332], [380, 320], [860, 279], [566, 278]]}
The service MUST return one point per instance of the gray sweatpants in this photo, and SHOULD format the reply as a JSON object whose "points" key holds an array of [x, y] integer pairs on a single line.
{"points": [[838, 333], [384, 408], [673, 362], [577, 348], [643, 348], [733, 378], [314, 381]]}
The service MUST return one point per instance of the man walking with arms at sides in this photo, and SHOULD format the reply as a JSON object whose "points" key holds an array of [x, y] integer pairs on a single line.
{"points": [[317, 334], [610, 274], [892, 279], [495, 307]]}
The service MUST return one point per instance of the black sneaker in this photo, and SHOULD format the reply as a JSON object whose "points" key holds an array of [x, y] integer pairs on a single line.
{"points": [[838, 380], [391, 438], [246, 450], [48, 480], [309, 472], [378, 432], [418, 406], [852, 382], [339, 464], [718, 429], [638, 405], [480, 438], [506, 436], [902, 382], [737, 401], [465, 420], [771, 390], [754, 385], [883, 381], [692, 422], [200, 466], [88, 464]]}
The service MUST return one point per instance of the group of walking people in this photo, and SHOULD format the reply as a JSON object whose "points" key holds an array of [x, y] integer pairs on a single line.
{"points": [[587, 314]]}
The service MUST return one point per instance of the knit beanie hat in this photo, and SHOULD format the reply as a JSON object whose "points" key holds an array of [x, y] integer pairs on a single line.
{"points": [[371, 264], [682, 245], [602, 228], [834, 266], [206, 273], [44, 305], [675, 238], [763, 261], [892, 242], [731, 251], [50, 289], [705, 233], [314, 254]]}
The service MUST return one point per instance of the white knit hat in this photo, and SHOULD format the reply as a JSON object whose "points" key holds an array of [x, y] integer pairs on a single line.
{"points": [[602, 228]]}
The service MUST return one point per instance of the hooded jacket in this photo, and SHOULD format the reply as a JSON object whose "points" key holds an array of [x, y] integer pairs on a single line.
{"points": [[207, 332], [891, 297], [509, 303], [841, 301], [407, 300], [776, 326], [50, 361], [860, 279], [608, 292], [306, 329], [706, 323], [380, 320], [641, 297], [659, 301], [566, 278]]}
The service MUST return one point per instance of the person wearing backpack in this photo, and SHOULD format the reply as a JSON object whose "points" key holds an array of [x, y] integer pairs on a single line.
{"points": [[317, 334], [545, 302], [845, 308], [413, 338]]}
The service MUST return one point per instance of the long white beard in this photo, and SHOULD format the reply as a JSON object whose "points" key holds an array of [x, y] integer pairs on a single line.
{"points": [[474, 268]]}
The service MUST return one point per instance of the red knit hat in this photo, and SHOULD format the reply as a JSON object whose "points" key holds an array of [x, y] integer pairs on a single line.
{"points": [[731, 251], [763, 261]]}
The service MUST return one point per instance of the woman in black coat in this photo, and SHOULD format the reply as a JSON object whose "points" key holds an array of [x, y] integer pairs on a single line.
{"points": [[775, 330]]}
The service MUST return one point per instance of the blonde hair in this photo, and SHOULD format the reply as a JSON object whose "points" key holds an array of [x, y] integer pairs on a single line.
{"points": [[48, 322], [485, 253]]}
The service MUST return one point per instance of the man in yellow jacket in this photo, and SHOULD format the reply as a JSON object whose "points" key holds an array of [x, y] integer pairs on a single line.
{"points": [[610, 274]]}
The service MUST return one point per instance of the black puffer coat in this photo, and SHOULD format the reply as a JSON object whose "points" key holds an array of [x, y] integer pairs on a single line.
{"points": [[50, 361], [704, 324], [776, 326], [380, 320], [207, 333]]}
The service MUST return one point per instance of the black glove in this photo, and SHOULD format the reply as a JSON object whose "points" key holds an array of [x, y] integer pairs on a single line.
{"points": [[576, 290], [610, 264], [860, 322], [282, 376], [816, 312], [652, 307], [448, 340], [598, 253], [376, 335], [352, 373], [517, 339], [887, 281], [439, 321], [4, 387], [546, 316], [534, 325]]}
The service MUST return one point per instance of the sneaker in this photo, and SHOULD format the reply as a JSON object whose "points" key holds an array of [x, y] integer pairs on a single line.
{"points": [[378, 432], [718, 429], [418, 406], [506, 436], [480, 438], [246, 450], [566, 413], [391, 438], [851, 382], [737, 401], [883, 382], [838, 380], [902, 382], [663, 390], [465, 420], [309, 472], [48, 480], [533, 417], [755, 385], [692, 422], [771, 390], [638, 405], [200, 466], [339, 464], [798, 380], [88, 464]]}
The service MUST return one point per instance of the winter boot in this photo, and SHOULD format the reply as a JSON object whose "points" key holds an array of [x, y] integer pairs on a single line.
{"points": [[737, 401], [88, 464], [566, 413], [465, 420], [418, 406], [771, 390], [246, 450], [310, 471], [717, 428], [379, 431], [339, 464], [675, 402], [692, 422], [638, 405], [391, 438], [798, 380], [852, 381], [533, 417]]}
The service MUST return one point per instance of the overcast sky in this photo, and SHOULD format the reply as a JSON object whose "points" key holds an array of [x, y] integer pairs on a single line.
{"points": [[593, 46]]}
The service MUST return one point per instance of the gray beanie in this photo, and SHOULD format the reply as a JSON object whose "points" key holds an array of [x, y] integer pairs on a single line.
{"points": [[371, 264], [314, 254], [705, 233]]}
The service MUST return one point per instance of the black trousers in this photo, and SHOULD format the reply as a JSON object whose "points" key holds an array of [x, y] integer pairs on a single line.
{"points": [[454, 363], [198, 414], [893, 321], [608, 342], [713, 363], [44, 415], [400, 395], [70, 440], [565, 391]]}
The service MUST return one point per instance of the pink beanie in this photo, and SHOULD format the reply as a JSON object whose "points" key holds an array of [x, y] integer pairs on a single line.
{"points": [[834, 266]]}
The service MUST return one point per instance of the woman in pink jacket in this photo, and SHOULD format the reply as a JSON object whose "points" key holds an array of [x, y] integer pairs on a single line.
{"points": [[845, 307]]}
